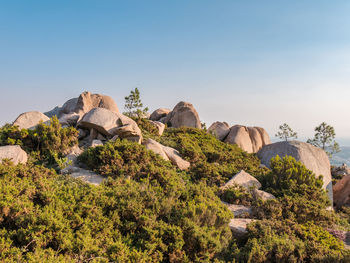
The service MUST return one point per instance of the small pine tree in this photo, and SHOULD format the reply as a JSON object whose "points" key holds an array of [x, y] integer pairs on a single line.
{"points": [[324, 138], [134, 106], [285, 132]]}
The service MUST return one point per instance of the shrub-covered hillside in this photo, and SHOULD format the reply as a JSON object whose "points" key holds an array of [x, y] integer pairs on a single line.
{"points": [[148, 210]]}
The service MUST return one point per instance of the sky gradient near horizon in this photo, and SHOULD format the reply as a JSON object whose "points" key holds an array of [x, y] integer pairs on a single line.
{"points": [[256, 63]]}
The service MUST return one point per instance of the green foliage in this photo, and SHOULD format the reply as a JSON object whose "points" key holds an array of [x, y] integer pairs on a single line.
{"points": [[324, 138], [211, 160], [46, 143], [134, 106], [282, 241], [62, 219], [289, 177], [236, 195], [149, 211], [148, 129], [285, 132]]}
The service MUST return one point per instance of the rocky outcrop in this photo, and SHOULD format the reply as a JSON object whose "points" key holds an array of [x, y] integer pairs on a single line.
{"points": [[249, 139], [102, 120], [243, 179], [14, 153], [88, 101], [219, 129], [167, 153], [29, 120], [83, 104], [111, 123], [159, 113], [129, 131], [341, 192], [183, 115], [314, 158]]}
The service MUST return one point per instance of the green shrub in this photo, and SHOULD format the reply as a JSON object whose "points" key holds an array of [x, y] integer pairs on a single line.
{"points": [[289, 177], [236, 195], [212, 160], [148, 129], [62, 219], [46, 143], [284, 241]]}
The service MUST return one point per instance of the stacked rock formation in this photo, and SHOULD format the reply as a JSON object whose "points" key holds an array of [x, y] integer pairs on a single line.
{"points": [[250, 139]]}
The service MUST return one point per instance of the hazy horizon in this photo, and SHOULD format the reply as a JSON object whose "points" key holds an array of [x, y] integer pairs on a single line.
{"points": [[255, 64]]}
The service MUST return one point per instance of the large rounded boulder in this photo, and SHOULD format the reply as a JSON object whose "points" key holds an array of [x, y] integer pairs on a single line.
{"points": [[314, 158], [249, 139], [29, 120], [111, 123], [183, 115]]}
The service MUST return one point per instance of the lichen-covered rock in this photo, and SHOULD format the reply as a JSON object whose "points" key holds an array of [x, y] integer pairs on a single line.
{"points": [[29, 120], [13, 153]]}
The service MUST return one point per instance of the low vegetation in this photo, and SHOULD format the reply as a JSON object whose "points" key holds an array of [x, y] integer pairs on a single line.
{"points": [[149, 211]]}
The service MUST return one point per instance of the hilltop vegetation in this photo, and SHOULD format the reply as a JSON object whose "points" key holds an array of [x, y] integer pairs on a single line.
{"points": [[148, 210]]}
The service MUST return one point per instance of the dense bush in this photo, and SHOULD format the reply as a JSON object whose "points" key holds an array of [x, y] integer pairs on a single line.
{"points": [[236, 195], [289, 177], [44, 215], [149, 211], [46, 142], [212, 160], [284, 241]]}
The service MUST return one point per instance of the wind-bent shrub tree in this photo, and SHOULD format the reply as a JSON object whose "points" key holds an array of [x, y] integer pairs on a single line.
{"points": [[134, 106], [285, 132], [324, 138]]}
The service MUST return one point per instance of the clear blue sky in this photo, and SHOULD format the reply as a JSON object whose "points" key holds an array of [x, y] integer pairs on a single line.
{"points": [[256, 63]]}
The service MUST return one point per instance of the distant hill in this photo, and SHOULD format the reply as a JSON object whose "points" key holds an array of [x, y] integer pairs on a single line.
{"points": [[342, 157]]}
